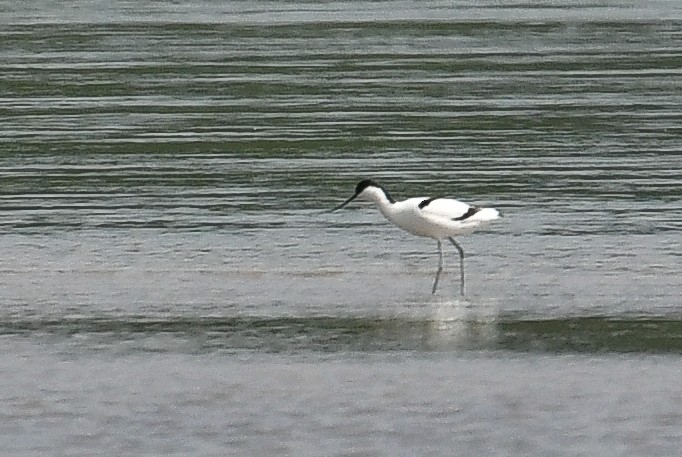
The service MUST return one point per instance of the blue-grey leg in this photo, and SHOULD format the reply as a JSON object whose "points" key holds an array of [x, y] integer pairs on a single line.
{"points": [[461, 262], [440, 266]]}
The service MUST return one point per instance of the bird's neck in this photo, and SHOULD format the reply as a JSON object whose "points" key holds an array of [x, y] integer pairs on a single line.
{"points": [[382, 199]]}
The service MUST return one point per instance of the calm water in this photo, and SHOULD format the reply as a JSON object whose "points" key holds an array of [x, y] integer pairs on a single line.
{"points": [[171, 285]]}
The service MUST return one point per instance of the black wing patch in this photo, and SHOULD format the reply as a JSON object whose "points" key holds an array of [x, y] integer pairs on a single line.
{"points": [[470, 212], [426, 202]]}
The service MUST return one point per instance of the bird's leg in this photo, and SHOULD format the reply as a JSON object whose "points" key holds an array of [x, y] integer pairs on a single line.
{"points": [[440, 267], [461, 262]]}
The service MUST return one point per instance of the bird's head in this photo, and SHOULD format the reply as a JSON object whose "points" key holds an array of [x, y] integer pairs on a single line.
{"points": [[366, 189]]}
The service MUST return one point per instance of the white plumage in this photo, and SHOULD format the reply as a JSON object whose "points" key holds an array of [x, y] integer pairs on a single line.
{"points": [[437, 218]]}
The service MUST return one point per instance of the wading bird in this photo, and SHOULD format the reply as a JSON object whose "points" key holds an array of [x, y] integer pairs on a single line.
{"points": [[437, 218]]}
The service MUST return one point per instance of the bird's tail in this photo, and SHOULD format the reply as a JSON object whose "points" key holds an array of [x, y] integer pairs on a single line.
{"points": [[486, 215]]}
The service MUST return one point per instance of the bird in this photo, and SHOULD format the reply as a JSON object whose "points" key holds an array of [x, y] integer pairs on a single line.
{"points": [[431, 217]]}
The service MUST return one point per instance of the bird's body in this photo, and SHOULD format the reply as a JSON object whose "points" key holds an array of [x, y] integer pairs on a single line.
{"points": [[437, 218]]}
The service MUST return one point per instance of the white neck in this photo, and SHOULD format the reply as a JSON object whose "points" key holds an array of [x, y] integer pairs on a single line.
{"points": [[379, 197]]}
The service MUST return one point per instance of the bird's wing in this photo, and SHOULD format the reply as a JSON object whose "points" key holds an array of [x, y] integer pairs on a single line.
{"points": [[446, 208]]}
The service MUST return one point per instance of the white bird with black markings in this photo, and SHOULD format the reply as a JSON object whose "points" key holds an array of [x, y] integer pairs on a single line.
{"points": [[437, 218]]}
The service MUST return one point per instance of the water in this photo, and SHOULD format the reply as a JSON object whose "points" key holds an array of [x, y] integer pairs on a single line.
{"points": [[170, 283]]}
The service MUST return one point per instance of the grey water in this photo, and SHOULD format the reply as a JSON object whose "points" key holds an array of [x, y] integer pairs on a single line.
{"points": [[172, 285]]}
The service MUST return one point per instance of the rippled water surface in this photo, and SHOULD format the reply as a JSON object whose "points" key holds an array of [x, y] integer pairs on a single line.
{"points": [[172, 285]]}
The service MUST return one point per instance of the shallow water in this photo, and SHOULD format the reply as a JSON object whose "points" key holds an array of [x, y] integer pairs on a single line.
{"points": [[171, 283]]}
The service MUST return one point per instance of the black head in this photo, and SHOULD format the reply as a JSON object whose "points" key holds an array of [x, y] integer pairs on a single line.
{"points": [[362, 185]]}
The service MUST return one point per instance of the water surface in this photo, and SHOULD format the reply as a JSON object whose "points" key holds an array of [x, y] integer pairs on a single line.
{"points": [[172, 285]]}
